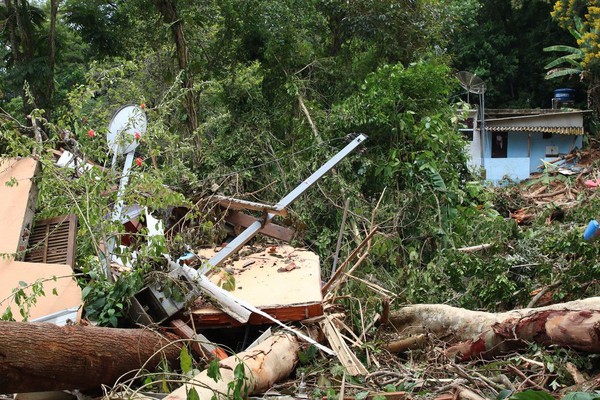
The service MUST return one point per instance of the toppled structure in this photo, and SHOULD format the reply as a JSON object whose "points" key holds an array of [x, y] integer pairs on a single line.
{"points": [[18, 198]]}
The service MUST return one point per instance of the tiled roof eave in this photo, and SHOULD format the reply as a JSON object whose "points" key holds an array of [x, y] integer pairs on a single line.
{"points": [[560, 130]]}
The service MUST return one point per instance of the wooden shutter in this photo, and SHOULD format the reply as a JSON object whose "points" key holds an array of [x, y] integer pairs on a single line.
{"points": [[53, 241]]}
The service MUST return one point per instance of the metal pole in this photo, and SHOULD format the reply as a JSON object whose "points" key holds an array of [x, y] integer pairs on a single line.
{"points": [[253, 229]]}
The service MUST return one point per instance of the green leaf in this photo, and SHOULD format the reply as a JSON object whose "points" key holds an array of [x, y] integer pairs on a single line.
{"points": [[23, 284], [54, 292], [7, 315], [185, 360], [213, 370], [192, 394], [361, 395], [564, 48], [581, 396], [86, 291], [532, 395], [504, 394], [390, 388], [562, 72]]}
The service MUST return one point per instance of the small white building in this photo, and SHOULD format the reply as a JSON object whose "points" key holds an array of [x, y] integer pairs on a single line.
{"points": [[514, 143]]}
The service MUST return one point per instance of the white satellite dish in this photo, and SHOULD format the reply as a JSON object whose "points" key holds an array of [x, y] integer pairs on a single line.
{"points": [[124, 125]]}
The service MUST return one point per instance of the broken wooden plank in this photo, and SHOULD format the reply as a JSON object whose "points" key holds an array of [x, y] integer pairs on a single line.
{"points": [[270, 229], [471, 249], [347, 358], [42, 356], [237, 204], [53, 241], [333, 281], [199, 343], [18, 200], [292, 295]]}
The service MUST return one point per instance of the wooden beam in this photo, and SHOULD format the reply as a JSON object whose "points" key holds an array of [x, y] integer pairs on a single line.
{"points": [[199, 343], [270, 229], [347, 358]]}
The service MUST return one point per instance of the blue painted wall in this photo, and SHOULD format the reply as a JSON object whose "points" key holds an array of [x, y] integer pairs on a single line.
{"points": [[518, 164], [538, 147]]}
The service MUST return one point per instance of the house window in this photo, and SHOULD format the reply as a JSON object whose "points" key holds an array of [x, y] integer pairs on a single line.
{"points": [[499, 144], [546, 135], [467, 134]]}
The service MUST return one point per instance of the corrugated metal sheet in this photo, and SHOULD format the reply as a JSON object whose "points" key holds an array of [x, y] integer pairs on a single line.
{"points": [[560, 130]]}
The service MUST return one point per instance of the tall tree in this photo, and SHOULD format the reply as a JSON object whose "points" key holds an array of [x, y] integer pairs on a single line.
{"points": [[582, 19], [23, 23], [168, 11], [504, 45]]}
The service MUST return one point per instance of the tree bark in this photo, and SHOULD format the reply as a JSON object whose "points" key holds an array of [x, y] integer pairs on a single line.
{"points": [[51, 58], [41, 356], [168, 11], [265, 364], [574, 324]]}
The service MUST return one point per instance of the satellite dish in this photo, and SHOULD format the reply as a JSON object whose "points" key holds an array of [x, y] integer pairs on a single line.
{"points": [[122, 129], [471, 82]]}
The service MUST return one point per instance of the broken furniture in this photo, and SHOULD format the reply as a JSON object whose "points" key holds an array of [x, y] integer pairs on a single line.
{"points": [[18, 198], [283, 281]]}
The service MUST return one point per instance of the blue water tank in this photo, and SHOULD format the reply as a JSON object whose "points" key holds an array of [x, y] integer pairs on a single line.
{"points": [[564, 94]]}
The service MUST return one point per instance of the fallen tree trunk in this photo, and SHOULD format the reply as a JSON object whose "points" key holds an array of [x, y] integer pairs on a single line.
{"points": [[574, 324], [270, 361], [43, 357]]}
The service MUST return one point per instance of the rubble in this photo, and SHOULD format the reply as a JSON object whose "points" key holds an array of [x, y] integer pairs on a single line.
{"points": [[271, 288], [271, 285]]}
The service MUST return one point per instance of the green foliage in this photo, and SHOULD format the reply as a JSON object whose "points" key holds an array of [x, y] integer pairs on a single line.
{"points": [[106, 302], [581, 396], [185, 360], [308, 356], [192, 394], [237, 388], [25, 296], [532, 395], [213, 370], [503, 45]]}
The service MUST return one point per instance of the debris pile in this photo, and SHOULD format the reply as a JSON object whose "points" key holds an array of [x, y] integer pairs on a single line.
{"points": [[250, 313]]}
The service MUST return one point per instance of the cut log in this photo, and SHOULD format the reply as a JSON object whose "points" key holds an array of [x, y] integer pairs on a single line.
{"points": [[575, 324], [265, 364], [43, 357]]}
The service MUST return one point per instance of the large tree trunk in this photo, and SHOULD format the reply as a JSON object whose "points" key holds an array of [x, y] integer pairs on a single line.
{"points": [[168, 11], [51, 58], [42, 357], [270, 361], [575, 324]]}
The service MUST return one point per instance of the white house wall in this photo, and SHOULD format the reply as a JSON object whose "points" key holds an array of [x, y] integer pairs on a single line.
{"points": [[474, 151]]}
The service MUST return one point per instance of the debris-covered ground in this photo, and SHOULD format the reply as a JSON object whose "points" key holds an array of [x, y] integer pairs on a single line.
{"points": [[269, 322]]}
